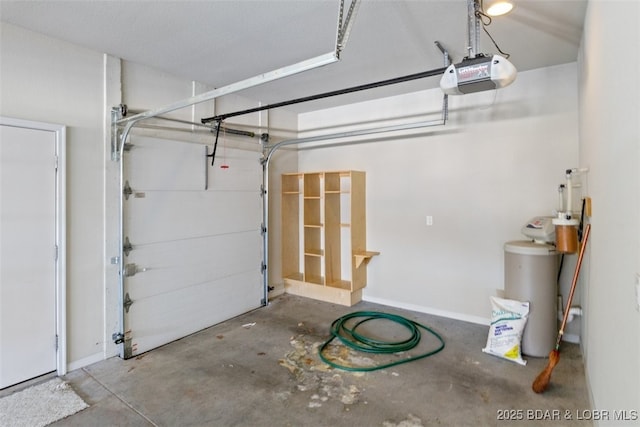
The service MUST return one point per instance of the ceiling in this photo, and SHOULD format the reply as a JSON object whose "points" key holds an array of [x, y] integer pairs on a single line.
{"points": [[221, 42]]}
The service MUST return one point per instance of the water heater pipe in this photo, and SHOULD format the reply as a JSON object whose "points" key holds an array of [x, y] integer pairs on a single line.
{"points": [[573, 311]]}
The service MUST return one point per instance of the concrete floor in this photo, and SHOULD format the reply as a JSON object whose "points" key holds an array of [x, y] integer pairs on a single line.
{"points": [[268, 374]]}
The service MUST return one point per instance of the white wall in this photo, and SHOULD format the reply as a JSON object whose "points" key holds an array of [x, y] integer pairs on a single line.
{"points": [[495, 165], [51, 81], [609, 64]]}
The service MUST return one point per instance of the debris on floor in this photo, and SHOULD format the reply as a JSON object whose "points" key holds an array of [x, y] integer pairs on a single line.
{"points": [[315, 376], [411, 421]]}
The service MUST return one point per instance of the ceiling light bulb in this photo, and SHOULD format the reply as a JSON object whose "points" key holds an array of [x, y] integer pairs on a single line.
{"points": [[498, 7]]}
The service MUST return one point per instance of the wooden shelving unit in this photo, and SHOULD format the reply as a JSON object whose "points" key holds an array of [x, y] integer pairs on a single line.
{"points": [[324, 252]]}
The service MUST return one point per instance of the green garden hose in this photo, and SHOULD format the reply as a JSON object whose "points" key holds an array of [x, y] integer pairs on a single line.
{"points": [[356, 341]]}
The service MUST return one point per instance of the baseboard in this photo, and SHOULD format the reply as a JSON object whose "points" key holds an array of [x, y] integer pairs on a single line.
{"points": [[572, 338], [86, 361], [276, 290], [429, 310]]}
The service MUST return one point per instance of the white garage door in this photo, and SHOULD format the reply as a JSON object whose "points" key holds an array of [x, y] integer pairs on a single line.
{"points": [[195, 235]]}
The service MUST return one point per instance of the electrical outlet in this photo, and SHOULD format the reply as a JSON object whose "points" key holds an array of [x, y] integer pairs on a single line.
{"points": [[429, 220]]}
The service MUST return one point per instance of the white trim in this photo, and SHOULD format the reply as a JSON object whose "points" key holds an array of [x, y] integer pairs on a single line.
{"points": [[86, 361], [61, 231], [429, 310], [112, 94]]}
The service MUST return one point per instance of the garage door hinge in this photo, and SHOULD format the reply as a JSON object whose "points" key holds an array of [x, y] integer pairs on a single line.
{"points": [[127, 191], [127, 247], [127, 302]]}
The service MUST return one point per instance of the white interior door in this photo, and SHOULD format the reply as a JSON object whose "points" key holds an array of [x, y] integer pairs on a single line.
{"points": [[195, 235], [27, 254]]}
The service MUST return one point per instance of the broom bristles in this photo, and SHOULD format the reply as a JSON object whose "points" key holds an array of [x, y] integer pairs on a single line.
{"points": [[542, 380]]}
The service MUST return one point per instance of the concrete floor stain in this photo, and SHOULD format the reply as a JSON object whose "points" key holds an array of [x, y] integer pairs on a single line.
{"points": [[313, 375]]}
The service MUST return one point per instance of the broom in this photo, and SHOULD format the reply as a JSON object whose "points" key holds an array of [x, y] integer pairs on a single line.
{"points": [[542, 380]]}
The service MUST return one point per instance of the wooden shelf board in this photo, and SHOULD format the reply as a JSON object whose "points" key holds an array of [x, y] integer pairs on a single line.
{"points": [[364, 257], [341, 284], [294, 276], [318, 252], [322, 293]]}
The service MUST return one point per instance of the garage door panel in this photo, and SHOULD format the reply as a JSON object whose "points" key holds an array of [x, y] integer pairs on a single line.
{"points": [[163, 216], [169, 164], [177, 314], [195, 231], [244, 172], [174, 265]]}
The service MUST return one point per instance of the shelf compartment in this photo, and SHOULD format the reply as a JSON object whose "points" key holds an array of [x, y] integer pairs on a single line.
{"points": [[291, 183], [290, 203], [313, 269], [312, 240], [332, 240], [312, 185], [332, 182], [312, 213]]}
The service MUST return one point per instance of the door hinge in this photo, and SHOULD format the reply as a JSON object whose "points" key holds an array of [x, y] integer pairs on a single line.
{"points": [[57, 342], [263, 267], [56, 162], [55, 252]]}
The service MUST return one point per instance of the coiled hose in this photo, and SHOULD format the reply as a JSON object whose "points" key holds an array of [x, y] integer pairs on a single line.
{"points": [[356, 341]]}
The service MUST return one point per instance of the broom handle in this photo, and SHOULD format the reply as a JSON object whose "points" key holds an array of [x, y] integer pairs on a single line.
{"points": [[573, 283]]}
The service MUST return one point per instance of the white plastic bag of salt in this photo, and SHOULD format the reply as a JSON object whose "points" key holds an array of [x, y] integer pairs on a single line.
{"points": [[508, 319]]}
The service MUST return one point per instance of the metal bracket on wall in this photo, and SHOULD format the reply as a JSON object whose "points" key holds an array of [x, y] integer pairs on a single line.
{"points": [[117, 113]]}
